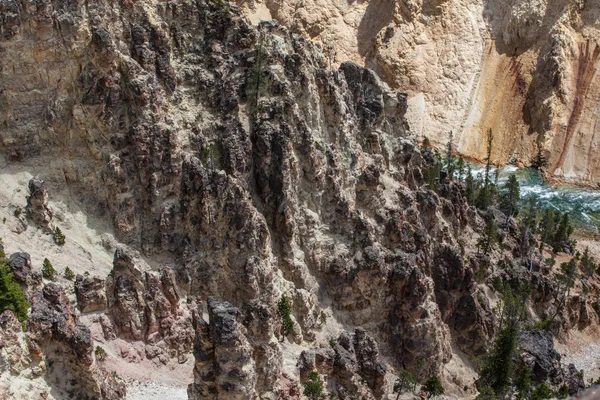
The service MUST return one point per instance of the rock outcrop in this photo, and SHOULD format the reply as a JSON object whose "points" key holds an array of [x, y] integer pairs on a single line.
{"points": [[544, 362], [20, 264], [68, 348], [145, 305], [91, 293], [352, 362], [19, 357], [54, 357], [224, 367], [37, 208]]}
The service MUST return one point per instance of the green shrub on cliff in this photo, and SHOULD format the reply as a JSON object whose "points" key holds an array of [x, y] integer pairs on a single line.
{"points": [[499, 364], [48, 270], [405, 381], [313, 387], [59, 237], [433, 386], [100, 353], [285, 311], [69, 274], [11, 294]]}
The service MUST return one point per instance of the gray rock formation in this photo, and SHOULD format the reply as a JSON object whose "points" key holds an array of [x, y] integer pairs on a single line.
{"points": [[68, 348], [37, 208], [224, 366], [144, 305], [90, 292], [352, 362], [544, 362], [20, 264]]}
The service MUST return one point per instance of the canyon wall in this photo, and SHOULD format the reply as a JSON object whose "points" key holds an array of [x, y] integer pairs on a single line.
{"points": [[526, 69], [231, 173]]}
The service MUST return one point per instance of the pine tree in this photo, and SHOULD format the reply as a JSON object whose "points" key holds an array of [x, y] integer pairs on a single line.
{"points": [[471, 188], [69, 274], [488, 159], [489, 236], [510, 197], [313, 387], [433, 386], [531, 217], [484, 197], [450, 159], [587, 263], [285, 311], [405, 381], [486, 393], [48, 270], [566, 279], [460, 168], [499, 366], [11, 294], [548, 225], [563, 234], [59, 237], [523, 383]]}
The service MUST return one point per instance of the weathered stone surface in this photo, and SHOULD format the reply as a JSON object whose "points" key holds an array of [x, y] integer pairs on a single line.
{"points": [[240, 163], [20, 264], [522, 68], [21, 358], [544, 362], [144, 305], [352, 361], [90, 292], [224, 366], [53, 319], [67, 346], [37, 208]]}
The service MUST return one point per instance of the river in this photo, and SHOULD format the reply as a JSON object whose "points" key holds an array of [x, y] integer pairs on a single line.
{"points": [[583, 205]]}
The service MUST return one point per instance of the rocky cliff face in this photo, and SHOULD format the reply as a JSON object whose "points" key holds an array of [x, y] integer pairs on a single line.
{"points": [[526, 69], [245, 171]]}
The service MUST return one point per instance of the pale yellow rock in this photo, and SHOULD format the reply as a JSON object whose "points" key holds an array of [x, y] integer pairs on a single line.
{"points": [[524, 68]]}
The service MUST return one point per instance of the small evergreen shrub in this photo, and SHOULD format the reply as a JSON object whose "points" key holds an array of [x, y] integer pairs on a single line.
{"points": [[486, 393], [11, 294], [563, 392], [323, 317], [433, 386], [313, 387], [542, 392], [285, 312], [69, 274], [59, 237], [100, 353], [405, 381], [48, 270], [523, 382]]}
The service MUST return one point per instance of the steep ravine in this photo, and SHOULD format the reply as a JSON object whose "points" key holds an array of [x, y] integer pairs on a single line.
{"points": [[203, 169]]}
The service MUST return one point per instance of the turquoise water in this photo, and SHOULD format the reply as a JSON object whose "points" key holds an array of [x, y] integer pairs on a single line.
{"points": [[583, 205]]}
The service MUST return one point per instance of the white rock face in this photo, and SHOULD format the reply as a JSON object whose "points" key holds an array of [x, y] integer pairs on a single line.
{"points": [[525, 69]]}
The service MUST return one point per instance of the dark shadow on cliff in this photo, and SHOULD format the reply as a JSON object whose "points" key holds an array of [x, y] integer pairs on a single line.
{"points": [[378, 15]]}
